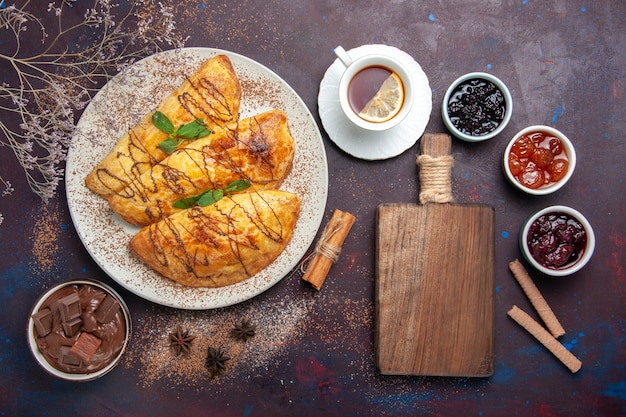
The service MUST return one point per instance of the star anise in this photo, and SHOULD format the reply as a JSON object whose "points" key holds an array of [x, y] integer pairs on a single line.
{"points": [[180, 341], [244, 330], [216, 361]]}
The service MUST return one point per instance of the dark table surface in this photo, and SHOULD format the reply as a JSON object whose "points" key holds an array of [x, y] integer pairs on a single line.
{"points": [[314, 353]]}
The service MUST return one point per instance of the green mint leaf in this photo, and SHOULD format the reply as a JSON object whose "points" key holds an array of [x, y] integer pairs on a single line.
{"points": [[170, 144], [185, 203], [193, 130], [162, 123], [237, 185], [203, 133], [210, 197]]}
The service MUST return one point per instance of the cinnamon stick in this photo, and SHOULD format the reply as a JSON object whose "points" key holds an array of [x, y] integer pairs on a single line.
{"points": [[536, 299], [328, 248], [546, 339]]}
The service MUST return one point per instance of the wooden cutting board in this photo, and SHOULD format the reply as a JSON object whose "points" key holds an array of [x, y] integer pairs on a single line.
{"points": [[435, 285]]}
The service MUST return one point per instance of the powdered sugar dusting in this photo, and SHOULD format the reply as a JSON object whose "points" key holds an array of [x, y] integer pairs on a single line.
{"points": [[282, 326], [277, 320]]}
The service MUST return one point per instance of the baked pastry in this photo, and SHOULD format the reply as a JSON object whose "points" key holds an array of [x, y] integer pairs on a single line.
{"points": [[261, 152], [220, 244], [212, 93]]}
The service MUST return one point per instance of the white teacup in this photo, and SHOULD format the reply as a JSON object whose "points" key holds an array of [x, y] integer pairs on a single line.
{"points": [[351, 91]]}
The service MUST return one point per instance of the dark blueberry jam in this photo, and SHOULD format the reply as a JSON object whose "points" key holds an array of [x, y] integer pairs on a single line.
{"points": [[556, 240], [476, 107]]}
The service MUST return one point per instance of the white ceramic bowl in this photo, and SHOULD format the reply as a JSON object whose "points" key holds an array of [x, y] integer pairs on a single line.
{"points": [[41, 359], [477, 138], [551, 187], [569, 268]]}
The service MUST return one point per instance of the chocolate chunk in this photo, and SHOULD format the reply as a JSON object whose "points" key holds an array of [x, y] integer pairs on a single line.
{"points": [[86, 345], [67, 358], [70, 328], [69, 307], [43, 321], [107, 309], [90, 324]]}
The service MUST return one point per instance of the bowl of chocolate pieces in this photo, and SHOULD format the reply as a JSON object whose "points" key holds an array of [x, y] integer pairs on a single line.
{"points": [[476, 107], [78, 330]]}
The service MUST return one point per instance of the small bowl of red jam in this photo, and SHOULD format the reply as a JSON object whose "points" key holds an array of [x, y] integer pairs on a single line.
{"points": [[476, 107], [557, 241], [539, 160], [78, 330]]}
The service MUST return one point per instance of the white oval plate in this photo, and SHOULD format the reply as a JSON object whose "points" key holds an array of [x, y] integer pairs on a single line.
{"points": [[362, 143], [119, 105]]}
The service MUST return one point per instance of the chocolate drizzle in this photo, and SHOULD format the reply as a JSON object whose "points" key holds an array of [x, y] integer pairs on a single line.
{"points": [[131, 163], [259, 151], [238, 235], [215, 101], [214, 108]]}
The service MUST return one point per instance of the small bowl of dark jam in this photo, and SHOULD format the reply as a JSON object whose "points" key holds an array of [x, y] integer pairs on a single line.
{"points": [[476, 107], [557, 241], [539, 160], [78, 330]]}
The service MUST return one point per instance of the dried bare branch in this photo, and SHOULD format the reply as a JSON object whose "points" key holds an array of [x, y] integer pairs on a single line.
{"points": [[45, 90]]}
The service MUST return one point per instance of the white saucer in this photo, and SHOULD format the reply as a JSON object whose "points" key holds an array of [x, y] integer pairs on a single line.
{"points": [[363, 143]]}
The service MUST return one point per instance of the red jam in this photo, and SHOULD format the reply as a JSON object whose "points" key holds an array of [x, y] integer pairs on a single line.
{"points": [[556, 240], [538, 159]]}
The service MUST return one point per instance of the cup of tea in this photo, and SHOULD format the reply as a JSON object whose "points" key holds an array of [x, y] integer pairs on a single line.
{"points": [[375, 90]]}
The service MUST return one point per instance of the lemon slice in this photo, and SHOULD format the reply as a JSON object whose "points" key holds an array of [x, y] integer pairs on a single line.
{"points": [[386, 103]]}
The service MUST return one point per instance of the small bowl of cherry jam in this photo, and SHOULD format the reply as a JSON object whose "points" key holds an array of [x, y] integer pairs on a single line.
{"points": [[476, 107], [557, 241], [539, 160]]}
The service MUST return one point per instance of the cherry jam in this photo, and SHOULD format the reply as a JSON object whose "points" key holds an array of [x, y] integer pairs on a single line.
{"points": [[556, 240]]}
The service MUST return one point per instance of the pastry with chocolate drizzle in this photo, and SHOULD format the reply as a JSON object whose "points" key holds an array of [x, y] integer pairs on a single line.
{"points": [[223, 243], [212, 94], [261, 152]]}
